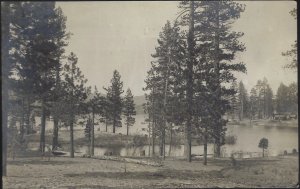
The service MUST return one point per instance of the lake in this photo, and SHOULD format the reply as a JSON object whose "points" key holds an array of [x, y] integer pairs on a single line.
{"points": [[248, 137]]}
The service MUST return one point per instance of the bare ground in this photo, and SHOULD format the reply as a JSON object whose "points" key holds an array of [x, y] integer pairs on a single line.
{"points": [[64, 172]]}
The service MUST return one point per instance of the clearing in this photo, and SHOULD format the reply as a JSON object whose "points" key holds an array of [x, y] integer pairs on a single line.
{"points": [[65, 172]]}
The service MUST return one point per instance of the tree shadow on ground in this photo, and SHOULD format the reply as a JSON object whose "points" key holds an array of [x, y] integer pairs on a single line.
{"points": [[39, 162], [162, 174], [89, 186], [244, 162]]}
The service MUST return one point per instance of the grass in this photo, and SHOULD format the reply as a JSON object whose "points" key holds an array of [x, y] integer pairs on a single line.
{"points": [[271, 172], [64, 172]]}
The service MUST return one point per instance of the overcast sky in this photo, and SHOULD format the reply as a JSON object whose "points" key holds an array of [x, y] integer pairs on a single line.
{"points": [[123, 35]]}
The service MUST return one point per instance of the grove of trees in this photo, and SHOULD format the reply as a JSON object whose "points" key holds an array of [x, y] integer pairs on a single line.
{"points": [[194, 61], [39, 79]]}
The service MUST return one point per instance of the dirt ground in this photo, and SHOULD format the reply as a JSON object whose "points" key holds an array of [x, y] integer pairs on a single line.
{"points": [[64, 172]]}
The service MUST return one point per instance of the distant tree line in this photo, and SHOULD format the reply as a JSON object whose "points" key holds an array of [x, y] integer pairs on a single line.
{"points": [[262, 103]]}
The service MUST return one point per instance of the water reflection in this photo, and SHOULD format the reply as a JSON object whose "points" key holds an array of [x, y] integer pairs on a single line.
{"points": [[248, 137]]}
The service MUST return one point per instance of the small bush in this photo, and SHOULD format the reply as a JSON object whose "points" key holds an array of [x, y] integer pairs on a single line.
{"points": [[112, 152], [230, 139], [138, 141], [233, 160], [157, 159]]}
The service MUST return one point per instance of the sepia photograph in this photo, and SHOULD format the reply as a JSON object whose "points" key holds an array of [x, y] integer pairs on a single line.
{"points": [[149, 94]]}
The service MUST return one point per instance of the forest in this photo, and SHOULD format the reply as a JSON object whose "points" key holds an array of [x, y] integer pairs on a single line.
{"points": [[191, 83]]}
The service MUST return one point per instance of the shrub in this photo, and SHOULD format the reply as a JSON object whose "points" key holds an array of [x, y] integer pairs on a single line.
{"points": [[233, 161], [138, 141], [230, 139]]}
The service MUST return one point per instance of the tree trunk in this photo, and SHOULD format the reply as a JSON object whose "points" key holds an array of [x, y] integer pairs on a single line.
{"points": [[5, 46], [164, 142], [71, 136], [55, 117], [27, 118], [205, 146], [22, 124], [263, 152], [4, 123], [106, 124], [149, 139], [217, 147], [153, 125], [89, 146], [114, 126], [127, 128], [218, 86], [55, 133], [188, 143], [43, 127], [205, 151], [153, 140], [242, 110], [170, 142], [161, 144], [93, 133]]}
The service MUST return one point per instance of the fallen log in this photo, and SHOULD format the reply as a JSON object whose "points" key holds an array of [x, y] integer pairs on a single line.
{"points": [[59, 153], [128, 160]]}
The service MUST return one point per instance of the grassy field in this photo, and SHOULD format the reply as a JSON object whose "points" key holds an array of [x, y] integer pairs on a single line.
{"points": [[64, 172]]}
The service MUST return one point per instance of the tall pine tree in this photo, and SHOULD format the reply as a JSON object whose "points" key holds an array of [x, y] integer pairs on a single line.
{"points": [[129, 110], [115, 102], [76, 94]]}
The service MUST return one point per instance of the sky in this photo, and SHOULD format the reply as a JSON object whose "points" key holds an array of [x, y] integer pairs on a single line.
{"points": [[123, 35]]}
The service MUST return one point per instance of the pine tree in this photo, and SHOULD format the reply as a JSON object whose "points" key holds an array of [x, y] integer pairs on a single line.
{"points": [[293, 52], [151, 108], [282, 99], [129, 109], [40, 60], [61, 42], [242, 100], [88, 134], [253, 103], [212, 46], [292, 96], [234, 101], [269, 101], [95, 107], [222, 44], [260, 94], [163, 77], [114, 108], [76, 93], [5, 35], [38, 37], [10, 19], [265, 96], [263, 144]]}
